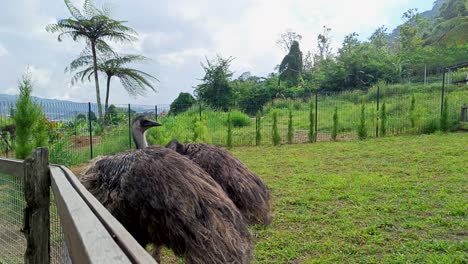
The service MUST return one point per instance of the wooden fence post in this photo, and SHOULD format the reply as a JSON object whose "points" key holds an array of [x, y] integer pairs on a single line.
{"points": [[36, 214]]}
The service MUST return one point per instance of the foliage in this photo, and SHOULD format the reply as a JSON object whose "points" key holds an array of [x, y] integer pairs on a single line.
{"points": [[239, 119], [412, 112], [94, 26], [200, 130], [334, 132], [215, 90], [311, 131], [31, 130], [287, 39], [362, 128], [183, 102], [229, 131], [275, 135], [291, 67], [258, 128], [383, 121], [444, 118], [290, 128]]}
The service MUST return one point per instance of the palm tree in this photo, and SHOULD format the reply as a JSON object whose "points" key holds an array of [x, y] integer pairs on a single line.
{"points": [[135, 82], [94, 26]]}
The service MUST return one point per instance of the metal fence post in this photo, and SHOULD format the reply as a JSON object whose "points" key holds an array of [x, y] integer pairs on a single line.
{"points": [[378, 103], [90, 127], [129, 127], [443, 93], [316, 118]]}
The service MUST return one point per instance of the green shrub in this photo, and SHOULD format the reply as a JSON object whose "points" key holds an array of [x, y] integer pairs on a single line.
{"points": [[276, 138], [31, 130], [311, 133], [239, 119], [290, 128], [412, 112], [258, 132], [383, 121], [200, 130], [444, 118], [335, 124], [362, 129], [229, 131], [430, 126]]}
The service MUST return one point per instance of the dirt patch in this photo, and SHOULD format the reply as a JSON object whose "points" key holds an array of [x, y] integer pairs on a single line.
{"points": [[83, 141]]}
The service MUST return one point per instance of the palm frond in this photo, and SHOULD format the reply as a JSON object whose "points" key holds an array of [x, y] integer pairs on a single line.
{"points": [[75, 12]]}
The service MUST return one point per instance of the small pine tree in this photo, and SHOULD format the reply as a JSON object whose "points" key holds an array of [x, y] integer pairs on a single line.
{"points": [[383, 121], [311, 122], [444, 118], [275, 133], [412, 111], [200, 130], [229, 131], [335, 124], [258, 132], [362, 129], [290, 128], [31, 130]]}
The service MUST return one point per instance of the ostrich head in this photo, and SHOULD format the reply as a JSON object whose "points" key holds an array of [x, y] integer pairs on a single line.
{"points": [[140, 125]]}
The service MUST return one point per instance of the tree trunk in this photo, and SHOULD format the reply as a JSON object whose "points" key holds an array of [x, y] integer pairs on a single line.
{"points": [[96, 79], [106, 105]]}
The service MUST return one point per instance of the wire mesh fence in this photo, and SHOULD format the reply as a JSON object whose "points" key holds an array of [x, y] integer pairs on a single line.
{"points": [[12, 240], [76, 135]]}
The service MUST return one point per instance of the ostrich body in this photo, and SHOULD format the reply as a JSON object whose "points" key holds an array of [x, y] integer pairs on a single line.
{"points": [[245, 188], [164, 198]]}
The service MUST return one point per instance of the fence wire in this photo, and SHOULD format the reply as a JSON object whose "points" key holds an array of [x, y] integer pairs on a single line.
{"points": [[12, 240]]}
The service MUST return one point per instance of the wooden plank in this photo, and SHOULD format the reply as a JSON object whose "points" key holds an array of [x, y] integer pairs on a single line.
{"points": [[36, 214], [12, 167], [87, 239], [135, 252]]}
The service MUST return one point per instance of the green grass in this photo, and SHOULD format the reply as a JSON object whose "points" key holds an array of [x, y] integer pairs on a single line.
{"points": [[391, 200]]}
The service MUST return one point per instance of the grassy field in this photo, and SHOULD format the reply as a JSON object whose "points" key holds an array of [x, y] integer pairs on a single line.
{"points": [[392, 200]]}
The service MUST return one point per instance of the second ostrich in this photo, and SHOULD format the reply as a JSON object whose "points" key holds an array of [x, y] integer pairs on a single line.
{"points": [[245, 188], [163, 198]]}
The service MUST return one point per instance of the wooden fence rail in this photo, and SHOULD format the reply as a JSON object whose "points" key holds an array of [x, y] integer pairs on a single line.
{"points": [[92, 234]]}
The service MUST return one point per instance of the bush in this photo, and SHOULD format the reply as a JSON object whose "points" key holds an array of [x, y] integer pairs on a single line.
{"points": [[290, 128], [335, 124], [239, 119], [258, 132], [182, 103], [200, 130], [276, 138], [362, 129], [31, 130], [412, 112], [383, 121]]}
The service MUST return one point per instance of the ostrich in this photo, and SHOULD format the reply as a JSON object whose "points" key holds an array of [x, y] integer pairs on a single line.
{"points": [[163, 198], [245, 188]]}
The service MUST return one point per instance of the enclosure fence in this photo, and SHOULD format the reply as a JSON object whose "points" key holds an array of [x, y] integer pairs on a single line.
{"points": [[76, 135], [47, 216]]}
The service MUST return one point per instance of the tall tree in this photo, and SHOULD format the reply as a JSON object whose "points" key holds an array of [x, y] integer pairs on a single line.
{"points": [[135, 82], [287, 38], [291, 67], [323, 44], [94, 26], [216, 90]]}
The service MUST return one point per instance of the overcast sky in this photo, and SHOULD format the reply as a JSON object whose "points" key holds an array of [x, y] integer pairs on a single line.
{"points": [[177, 35]]}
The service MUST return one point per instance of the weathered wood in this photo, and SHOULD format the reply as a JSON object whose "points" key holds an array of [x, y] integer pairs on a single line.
{"points": [[36, 214], [134, 251], [12, 167], [87, 239]]}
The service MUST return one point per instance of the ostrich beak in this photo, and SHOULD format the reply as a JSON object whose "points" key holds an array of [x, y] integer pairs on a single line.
{"points": [[149, 124]]}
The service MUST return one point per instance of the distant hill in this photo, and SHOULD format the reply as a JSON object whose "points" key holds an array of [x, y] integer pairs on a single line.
{"points": [[62, 109], [429, 14]]}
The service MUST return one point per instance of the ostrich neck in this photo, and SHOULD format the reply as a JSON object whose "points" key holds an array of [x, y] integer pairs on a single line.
{"points": [[140, 140]]}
